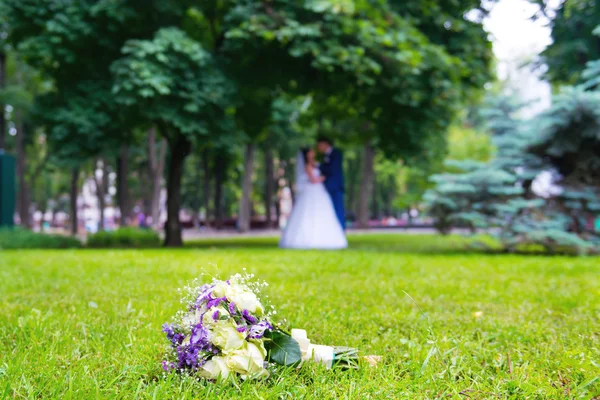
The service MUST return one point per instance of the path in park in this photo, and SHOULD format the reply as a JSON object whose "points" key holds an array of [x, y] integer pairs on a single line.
{"points": [[192, 234]]}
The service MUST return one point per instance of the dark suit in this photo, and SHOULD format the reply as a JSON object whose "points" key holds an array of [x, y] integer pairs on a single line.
{"points": [[333, 171]]}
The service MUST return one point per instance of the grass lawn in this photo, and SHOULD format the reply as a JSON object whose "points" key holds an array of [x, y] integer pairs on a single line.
{"points": [[86, 324]]}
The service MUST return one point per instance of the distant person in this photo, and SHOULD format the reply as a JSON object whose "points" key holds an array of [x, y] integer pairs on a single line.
{"points": [[313, 223], [333, 170], [142, 220]]}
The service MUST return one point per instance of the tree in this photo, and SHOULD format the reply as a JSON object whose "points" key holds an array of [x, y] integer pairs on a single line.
{"points": [[569, 138], [498, 196], [173, 83], [574, 43], [569, 143], [64, 41]]}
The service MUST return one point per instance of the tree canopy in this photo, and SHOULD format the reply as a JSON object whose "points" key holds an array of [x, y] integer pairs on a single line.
{"points": [[387, 75], [574, 43]]}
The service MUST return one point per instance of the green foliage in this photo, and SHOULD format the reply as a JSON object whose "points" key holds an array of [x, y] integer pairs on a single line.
{"points": [[171, 81], [466, 143], [466, 310], [574, 42], [124, 238], [569, 138], [388, 75], [497, 196], [23, 239], [282, 349], [74, 46], [78, 118]]}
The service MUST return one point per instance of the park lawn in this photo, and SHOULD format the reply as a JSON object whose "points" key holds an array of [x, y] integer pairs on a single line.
{"points": [[86, 324]]}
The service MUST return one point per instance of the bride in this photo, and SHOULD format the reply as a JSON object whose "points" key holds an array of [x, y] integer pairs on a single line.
{"points": [[313, 223]]}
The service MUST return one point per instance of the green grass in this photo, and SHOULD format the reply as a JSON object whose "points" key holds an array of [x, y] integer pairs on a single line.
{"points": [[85, 324]]}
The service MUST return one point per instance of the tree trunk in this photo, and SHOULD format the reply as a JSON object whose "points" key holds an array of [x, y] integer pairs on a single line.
{"points": [[354, 186], [122, 184], [245, 204], [366, 178], [269, 186], [101, 191], [23, 195], [34, 177], [219, 172], [53, 218], [43, 208], [144, 174], [206, 186], [196, 202], [374, 203], [180, 148], [156, 163], [74, 193], [2, 85]]}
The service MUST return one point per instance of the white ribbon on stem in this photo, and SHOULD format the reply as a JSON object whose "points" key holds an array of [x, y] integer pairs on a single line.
{"points": [[313, 352]]}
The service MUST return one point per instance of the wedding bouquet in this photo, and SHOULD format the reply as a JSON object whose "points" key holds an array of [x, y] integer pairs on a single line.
{"points": [[226, 331]]}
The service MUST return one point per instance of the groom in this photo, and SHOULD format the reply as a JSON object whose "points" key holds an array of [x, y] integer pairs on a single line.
{"points": [[332, 170]]}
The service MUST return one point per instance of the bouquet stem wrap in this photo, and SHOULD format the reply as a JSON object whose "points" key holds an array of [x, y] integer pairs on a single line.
{"points": [[326, 355]]}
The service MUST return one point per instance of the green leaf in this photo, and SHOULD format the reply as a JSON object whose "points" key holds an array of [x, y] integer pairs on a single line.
{"points": [[282, 349]]}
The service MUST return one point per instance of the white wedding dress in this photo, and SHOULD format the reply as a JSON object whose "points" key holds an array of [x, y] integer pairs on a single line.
{"points": [[313, 223]]}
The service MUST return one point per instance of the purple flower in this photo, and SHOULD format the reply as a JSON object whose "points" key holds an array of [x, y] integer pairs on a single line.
{"points": [[168, 329], [241, 329], [232, 308], [258, 331], [249, 317], [167, 366], [215, 302], [175, 337], [187, 356], [216, 315], [199, 336], [193, 356], [205, 295], [178, 338]]}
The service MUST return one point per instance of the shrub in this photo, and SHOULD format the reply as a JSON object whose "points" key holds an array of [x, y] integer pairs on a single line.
{"points": [[19, 238], [124, 237]]}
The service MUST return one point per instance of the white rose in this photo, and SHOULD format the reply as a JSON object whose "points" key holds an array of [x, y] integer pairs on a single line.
{"points": [[244, 299], [214, 368], [219, 289], [225, 336], [248, 361], [257, 347]]}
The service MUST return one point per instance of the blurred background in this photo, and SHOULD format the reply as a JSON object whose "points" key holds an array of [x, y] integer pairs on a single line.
{"points": [[185, 117]]}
